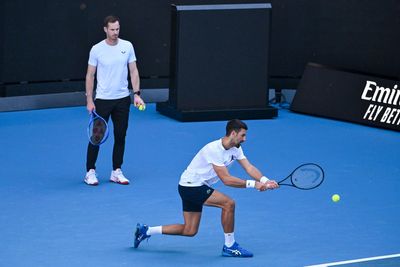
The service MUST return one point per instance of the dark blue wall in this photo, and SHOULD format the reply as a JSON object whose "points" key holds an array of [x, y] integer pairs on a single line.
{"points": [[50, 40]]}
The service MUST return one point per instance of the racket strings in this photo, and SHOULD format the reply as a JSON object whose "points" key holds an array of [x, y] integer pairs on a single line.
{"points": [[97, 131], [307, 177]]}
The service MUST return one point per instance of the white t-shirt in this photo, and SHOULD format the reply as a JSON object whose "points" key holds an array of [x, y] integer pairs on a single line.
{"points": [[112, 68], [200, 170]]}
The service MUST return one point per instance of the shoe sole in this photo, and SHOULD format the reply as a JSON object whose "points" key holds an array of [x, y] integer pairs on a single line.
{"points": [[118, 182], [224, 254], [94, 184]]}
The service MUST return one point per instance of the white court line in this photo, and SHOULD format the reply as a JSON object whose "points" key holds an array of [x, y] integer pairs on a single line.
{"points": [[354, 261]]}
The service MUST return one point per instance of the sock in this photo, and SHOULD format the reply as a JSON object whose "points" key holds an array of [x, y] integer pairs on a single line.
{"points": [[229, 239], [154, 230]]}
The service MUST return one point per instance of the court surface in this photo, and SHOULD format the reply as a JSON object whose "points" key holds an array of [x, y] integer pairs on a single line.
{"points": [[49, 217]]}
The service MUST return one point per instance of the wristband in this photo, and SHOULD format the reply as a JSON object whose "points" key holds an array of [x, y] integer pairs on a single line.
{"points": [[264, 179], [250, 183]]}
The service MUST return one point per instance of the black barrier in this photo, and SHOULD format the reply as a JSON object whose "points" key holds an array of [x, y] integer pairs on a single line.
{"points": [[349, 96], [219, 62]]}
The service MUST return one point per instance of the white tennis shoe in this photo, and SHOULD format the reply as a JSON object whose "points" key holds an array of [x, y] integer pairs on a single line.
{"points": [[91, 177], [118, 177]]}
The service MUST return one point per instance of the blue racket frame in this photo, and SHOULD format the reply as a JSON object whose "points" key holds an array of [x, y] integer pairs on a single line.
{"points": [[93, 117]]}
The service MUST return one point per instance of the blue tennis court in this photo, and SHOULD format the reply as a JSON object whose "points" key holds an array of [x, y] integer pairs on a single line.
{"points": [[49, 217]]}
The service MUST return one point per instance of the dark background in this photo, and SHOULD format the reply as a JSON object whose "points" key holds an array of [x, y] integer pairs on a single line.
{"points": [[46, 43]]}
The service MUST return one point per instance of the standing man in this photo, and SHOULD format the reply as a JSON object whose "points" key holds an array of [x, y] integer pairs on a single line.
{"points": [[111, 59], [207, 167]]}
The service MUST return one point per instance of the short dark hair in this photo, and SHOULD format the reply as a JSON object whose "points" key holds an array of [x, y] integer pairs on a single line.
{"points": [[110, 19], [235, 125]]}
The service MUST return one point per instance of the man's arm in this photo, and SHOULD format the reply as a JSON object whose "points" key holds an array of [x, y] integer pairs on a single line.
{"points": [[250, 169], [89, 84], [135, 81], [232, 181], [256, 174]]}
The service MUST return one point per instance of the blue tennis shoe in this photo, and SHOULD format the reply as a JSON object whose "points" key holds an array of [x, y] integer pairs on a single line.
{"points": [[141, 234], [236, 251]]}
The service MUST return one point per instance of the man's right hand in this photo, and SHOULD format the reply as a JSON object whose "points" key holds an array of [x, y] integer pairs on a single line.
{"points": [[271, 184], [265, 186], [260, 186], [90, 106]]}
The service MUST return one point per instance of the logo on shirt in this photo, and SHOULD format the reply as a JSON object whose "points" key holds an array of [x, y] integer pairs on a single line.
{"points": [[230, 161], [123, 52]]}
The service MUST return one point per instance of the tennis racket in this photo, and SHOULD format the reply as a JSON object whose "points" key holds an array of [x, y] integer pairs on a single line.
{"points": [[97, 129], [307, 176]]}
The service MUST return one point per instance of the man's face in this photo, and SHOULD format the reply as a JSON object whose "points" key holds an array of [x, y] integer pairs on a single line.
{"points": [[238, 137], [112, 30]]}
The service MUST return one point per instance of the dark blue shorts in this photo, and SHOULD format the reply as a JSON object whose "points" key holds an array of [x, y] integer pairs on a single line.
{"points": [[194, 197]]}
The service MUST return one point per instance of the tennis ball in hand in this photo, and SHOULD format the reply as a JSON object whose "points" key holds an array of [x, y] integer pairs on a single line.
{"points": [[141, 107], [335, 198]]}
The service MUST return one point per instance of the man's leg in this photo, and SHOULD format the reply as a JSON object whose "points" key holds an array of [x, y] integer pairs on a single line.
{"points": [[189, 228], [193, 199], [217, 199], [231, 248], [120, 118]]}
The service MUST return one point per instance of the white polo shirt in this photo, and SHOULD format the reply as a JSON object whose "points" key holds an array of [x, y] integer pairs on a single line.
{"points": [[200, 170], [112, 68]]}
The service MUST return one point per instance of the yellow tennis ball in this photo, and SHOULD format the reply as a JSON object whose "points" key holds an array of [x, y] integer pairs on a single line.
{"points": [[335, 198], [142, 107]]}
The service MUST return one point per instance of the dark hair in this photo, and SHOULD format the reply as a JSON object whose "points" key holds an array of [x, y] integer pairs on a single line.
{"points": [[110, 19], [235, 125]]}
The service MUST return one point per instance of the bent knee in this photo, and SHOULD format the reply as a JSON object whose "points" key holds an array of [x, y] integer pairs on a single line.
{"points": [[189, 233], [230, 204]]}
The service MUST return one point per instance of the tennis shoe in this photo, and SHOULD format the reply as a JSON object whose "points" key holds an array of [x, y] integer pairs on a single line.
{"points": [[236, 251], [91, 177], [118, 177], [141, 234]]}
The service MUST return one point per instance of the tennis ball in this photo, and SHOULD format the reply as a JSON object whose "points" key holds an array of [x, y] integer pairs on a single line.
{"points": [[142, 107], [335, 198]]}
